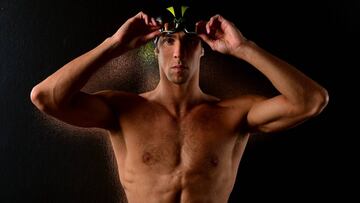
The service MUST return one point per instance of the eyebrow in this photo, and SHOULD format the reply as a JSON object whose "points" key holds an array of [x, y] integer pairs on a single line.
{"points": [[191, 36], [173, 36], [167, 35]]}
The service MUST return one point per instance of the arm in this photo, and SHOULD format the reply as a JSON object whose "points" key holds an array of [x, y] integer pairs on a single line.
{"points": [[59, 94], [300, 97]]}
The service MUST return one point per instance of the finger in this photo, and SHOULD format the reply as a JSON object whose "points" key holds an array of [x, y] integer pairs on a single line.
{"points": [[211, 22], [208, 27], [219, 18], [151, 35], [153, 22], [144, 17], [200, 27], [206, 39], [154, 27], [222, 22]]}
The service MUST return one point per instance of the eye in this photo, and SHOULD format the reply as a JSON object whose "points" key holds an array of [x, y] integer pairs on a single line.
{"points": [[192, 41], [168, 40]]}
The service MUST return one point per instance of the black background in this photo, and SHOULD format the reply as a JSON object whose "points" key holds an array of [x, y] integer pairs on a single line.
{"points": [[43, 160]]}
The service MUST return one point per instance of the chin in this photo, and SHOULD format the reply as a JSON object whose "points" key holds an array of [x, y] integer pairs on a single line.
{"points": [[179, 81]]}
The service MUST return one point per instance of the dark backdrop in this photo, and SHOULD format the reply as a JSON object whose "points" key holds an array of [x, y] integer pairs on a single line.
{"points": [[44, 160]]}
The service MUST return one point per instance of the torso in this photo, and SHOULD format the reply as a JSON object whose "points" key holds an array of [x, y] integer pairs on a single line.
{"points": [[164, 159]]}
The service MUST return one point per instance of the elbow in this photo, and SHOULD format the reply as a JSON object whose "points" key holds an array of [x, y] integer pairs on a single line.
{"points": [[39, 98], [319, 102]]}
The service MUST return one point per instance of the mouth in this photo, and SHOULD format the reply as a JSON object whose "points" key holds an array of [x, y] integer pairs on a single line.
{"points": [[179, 67]]}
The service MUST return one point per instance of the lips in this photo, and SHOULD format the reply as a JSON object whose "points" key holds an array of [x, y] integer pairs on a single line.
{"points": [[180, 67]]}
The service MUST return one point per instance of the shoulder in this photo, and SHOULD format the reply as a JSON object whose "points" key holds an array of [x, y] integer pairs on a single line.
{"points": [[114, 94], [212, 99], [236, 109], [120, 98], [242, 101]]}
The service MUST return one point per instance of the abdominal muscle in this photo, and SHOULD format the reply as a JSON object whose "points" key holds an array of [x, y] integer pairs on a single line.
{"points": [[179, 184]]}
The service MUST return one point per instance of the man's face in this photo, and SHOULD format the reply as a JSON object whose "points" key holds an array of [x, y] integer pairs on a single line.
{"points": [[179, 56]]}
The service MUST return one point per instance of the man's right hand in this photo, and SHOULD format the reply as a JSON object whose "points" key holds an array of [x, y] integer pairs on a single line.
{"points": [[135, 32]]}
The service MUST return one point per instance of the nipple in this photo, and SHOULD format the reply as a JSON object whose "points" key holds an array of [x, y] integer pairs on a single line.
{"points": [[214, 161], [149, 159]]}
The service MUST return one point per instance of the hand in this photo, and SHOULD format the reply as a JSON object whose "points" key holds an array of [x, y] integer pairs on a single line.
{"points": [[221, 35], [135, 32]]}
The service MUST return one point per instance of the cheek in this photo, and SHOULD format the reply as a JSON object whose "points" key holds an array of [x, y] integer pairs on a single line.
{"points": [[167, 54], [163, 61], [164, 55]]}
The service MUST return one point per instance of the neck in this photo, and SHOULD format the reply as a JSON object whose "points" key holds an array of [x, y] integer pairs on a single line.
{"points": [[179, 98]]}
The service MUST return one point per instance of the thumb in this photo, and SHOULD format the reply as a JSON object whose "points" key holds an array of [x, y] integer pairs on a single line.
{"points": [[206, 39], [152, 35]]}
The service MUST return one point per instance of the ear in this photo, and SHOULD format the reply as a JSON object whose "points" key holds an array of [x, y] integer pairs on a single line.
{"points": [[156, 51], [202, 51]]}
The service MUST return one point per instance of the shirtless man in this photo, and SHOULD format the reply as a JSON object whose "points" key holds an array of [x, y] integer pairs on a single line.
{"points": [[176, 143]]}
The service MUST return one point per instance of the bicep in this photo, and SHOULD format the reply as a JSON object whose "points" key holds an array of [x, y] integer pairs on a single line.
{"points": [[274, 114], [88, 110]]}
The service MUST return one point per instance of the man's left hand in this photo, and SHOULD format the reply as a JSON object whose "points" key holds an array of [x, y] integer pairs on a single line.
{"points": [[221, 35]]}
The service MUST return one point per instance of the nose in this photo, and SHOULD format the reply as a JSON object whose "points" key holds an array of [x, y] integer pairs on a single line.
{"points": [[178, 50]]}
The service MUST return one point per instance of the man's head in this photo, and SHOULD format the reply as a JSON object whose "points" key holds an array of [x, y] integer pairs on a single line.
{"points": [[178, 48], [179, 56]]}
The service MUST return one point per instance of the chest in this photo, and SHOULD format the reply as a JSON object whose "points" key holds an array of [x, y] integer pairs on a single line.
{"points": [[200, 140]]}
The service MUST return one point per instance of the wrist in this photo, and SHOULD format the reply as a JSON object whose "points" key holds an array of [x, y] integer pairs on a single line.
{"points": [[244, 50], [113, 44], [113, 47]]}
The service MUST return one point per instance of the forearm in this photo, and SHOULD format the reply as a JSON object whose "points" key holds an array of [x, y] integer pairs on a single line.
{"points": [[290, 82], [58, 88]]}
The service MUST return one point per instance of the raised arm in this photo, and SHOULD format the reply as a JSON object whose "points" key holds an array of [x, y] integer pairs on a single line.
{"points": [[300, 97], [59, 94]]}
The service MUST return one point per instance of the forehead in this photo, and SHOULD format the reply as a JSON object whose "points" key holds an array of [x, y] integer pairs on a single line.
{"points": [[175, 34], [179, 35]]}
